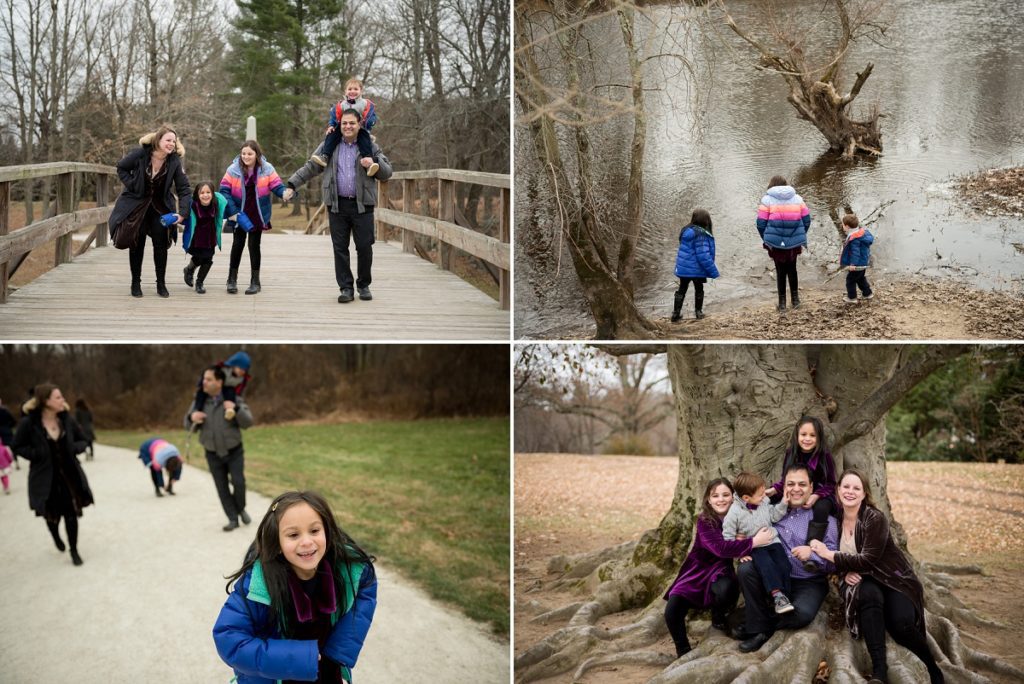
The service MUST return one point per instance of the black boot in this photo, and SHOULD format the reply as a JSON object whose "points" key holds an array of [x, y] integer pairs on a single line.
{"points": [[795, 297], [254, 282], [698, 304], [158, 492], [815, 530], [75, 558], [136, 287], [677, 307], [232, 281], [782, 302], [190, 269], [161, 288], [201, 277]]}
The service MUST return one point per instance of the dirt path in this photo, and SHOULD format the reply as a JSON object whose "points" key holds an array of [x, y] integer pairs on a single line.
{"points": [[142, 607]]}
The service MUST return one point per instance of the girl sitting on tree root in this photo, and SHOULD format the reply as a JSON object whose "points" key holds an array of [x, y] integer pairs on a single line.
{"points": [[706, 578]]}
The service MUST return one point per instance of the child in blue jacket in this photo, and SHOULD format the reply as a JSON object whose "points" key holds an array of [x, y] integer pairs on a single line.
{"points": [[695, 262], [855, 255], [303, 600]]}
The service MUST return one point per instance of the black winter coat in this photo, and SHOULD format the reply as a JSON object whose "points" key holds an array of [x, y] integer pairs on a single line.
{"points": [[30, 442], [132, 172]]}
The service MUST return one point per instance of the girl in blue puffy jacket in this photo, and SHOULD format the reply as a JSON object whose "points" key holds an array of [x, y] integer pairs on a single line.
{"points": [[695, 261], [302, 601]]}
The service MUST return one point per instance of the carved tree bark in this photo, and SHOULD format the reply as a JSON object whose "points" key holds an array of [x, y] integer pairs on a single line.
{"points": [[815, 92], [736, 408]]}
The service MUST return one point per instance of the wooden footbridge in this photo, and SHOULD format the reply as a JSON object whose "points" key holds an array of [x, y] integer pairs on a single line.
{"points": [[85, 297]]}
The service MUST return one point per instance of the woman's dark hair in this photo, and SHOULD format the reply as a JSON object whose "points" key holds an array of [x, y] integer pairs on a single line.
{"points": [[255, 147], [81, 405], [776, 181], [341, 551], [701, 218], [41, 393], [706, 511], [864, 483], [199, 186]]}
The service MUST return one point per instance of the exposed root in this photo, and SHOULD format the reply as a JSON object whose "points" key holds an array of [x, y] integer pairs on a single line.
{"points": [[649, 658], [944, 637], [582, 564], [942, 602], [563, 613], [797, 654], [950, 569]]}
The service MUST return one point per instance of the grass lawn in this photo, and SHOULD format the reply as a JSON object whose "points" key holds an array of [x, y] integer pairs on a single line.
{"points": [[428, 497]]}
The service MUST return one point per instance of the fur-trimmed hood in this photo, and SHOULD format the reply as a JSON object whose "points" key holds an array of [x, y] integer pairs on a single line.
{"points": [[148, 139], [32, 405]]}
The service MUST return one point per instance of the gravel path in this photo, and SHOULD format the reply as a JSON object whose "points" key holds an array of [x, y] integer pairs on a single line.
{"points": [[142, 607]]}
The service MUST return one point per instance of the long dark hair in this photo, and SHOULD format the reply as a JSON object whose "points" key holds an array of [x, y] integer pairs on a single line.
{"points": [[195, 194], [794, 440], [341, 551], [701, 218], [255, 147], [706, 511]]}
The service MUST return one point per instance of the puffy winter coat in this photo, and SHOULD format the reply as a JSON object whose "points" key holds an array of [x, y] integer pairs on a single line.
{"points": [[857, 248], [782, 218], [132, 172], [232, 187], [696, 255], [30, 442], [259, 659]]}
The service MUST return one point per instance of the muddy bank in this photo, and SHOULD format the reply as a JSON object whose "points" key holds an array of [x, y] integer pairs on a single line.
{"points": [[905, 309], [995, 192]]}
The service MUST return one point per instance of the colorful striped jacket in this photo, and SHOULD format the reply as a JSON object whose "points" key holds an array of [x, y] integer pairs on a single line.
{"points": [[782, 218], [156, 452], [232, 187]]}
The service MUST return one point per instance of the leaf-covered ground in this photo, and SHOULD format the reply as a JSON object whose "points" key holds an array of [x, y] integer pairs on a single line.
{"points": [[952, 512]]}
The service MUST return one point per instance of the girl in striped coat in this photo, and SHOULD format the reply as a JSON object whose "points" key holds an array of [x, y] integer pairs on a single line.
{"points": [[783, 221]]}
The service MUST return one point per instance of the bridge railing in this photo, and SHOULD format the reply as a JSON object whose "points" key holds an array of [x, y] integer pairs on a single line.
{"points": [[16, 246], [447, 225]]}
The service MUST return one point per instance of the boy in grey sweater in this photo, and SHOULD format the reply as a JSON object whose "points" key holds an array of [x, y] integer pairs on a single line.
{"points": [[746, 516]]}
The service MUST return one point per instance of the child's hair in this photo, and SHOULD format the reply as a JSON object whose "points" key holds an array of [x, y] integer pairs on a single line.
{"points": [[851, 220], [776, 181], [199, 186], [173, 463], [706, 511], [255, 147], [701, 218], [747, 484], [794, 441], [341, 550], [355, 81]]}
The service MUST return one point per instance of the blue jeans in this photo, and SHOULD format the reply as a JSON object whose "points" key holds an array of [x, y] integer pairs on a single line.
{"points": [[773, 565]]}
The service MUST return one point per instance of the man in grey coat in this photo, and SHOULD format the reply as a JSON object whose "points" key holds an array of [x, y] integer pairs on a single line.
{"points": [[350, 196], [222, 440]]}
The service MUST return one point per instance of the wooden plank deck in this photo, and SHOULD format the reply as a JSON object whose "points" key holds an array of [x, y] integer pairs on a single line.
{"points": [[89, 299]]}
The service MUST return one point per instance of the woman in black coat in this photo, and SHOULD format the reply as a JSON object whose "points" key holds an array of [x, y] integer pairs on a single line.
{"points": [[49, 439], [155, 185]]}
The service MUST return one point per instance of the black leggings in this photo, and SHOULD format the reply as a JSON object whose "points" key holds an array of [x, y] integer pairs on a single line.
{"points": [[880, 609], [725, 592], [71, 525], [159, 234], [238, 244], [782, 273]]}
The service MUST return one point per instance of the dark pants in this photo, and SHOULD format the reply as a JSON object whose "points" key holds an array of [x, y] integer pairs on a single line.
{"points": [[202, 255], [698, 293], [159, 234], [773, 565], [880, 608], [725, 592], [158, 476], [855, 279], [806, 595], [238, 244], [232, 498], [783, 272], [345, 224], [363, 142], [70, 525]]}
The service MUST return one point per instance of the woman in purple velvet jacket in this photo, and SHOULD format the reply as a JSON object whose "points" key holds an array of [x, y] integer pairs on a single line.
{"points": [[707, 578]]}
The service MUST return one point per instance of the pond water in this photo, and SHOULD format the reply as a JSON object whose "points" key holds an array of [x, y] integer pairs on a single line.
{"points": [[950, 83]]}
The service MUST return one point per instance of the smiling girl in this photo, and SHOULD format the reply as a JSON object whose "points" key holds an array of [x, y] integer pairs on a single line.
{"points": [[706, 578], [303, 600], [202, 233]]}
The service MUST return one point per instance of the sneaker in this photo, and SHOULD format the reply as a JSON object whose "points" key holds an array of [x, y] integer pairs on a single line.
{"points": [[847, 300], [245, 517], [372, 169], [868, 296], [346, 296], [233, 525], [782, 604], [364, 293], [319, 159]]}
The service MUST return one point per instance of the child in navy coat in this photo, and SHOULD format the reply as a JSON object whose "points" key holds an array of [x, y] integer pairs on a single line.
{"points": [[302, 601], [695, 262], [855, 255]]}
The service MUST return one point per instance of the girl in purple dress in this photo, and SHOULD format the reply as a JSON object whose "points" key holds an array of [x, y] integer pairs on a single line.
{"points": [[706, 578]]}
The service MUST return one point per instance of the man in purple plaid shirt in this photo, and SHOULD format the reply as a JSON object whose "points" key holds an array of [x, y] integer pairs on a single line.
{"points": [[809, 589]]}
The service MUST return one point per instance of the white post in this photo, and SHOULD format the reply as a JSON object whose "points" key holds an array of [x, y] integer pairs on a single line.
{"points": [[250, 128]]}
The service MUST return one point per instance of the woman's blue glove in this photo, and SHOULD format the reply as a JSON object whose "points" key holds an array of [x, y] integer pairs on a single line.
{"points": [[169, 219], [244, 222]]}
